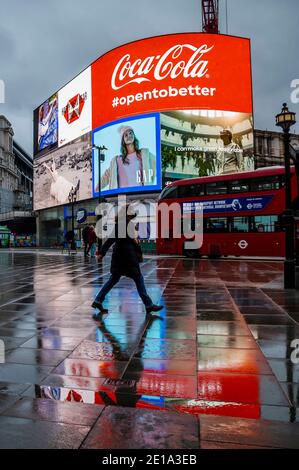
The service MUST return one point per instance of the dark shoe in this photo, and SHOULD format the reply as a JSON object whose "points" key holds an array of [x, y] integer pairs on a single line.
{"points": [[98, 316], [99, 306], [151, 317], [154, 308]]}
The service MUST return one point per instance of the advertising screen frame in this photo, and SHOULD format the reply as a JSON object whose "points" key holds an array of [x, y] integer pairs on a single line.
{"points": [[137, 41], [132, 189], [133, 115]]}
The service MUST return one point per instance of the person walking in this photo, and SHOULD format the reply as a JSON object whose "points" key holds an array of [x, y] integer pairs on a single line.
{"points": [[92, 240], [70, 241], [85, 236], [126, 256]]}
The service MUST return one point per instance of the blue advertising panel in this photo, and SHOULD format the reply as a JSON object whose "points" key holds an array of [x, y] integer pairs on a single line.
{"points": [[81, 216], [47, 124], [132, 159], [241, 204]]}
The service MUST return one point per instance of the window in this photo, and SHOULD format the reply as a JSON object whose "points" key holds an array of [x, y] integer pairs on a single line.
{"points": [[239, 186], [265, 223], [191, 190], [265, 184], [216, 224], [189, 225], [260, 145], [169, 192], [216, 188], [240, 224]]}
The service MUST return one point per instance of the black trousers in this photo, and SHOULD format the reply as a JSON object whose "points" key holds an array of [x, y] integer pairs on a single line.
{"points": [[139, 282], [86, 248]]}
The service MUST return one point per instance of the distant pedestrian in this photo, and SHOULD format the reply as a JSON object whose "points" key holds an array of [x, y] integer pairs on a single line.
{"points": [[126, 257], [85, 236], [92, 240], [70, 240]]}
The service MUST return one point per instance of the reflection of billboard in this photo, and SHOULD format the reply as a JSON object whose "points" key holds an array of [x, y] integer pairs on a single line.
{"points": [[74, 111], [132, 158], [202, 143], [47, 124], [56, 173]]}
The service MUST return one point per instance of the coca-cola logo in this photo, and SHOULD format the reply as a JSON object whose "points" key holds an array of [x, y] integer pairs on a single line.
{"points": [[171, 64]]}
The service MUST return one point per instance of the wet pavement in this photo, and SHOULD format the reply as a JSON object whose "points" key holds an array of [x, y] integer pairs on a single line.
{"points": [[213, 370]]}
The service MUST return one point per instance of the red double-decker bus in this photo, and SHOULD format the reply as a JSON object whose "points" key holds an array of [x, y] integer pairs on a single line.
{"points": [[242, 213]]}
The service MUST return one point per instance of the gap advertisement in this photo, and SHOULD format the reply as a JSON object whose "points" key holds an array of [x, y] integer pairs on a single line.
{"points": [[132, 156]]}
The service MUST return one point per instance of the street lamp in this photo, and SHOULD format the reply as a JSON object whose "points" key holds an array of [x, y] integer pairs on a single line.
{"points": [[72, 200], [285, 120], [101, 158]]}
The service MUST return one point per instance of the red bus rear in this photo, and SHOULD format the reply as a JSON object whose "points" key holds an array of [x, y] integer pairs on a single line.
{"points": [[242, 213]]}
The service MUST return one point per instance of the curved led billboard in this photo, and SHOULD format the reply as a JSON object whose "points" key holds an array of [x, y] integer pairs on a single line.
{"points": [[176, 106]]}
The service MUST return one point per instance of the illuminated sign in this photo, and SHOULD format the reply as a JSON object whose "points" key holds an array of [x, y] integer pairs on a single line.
{"points": [[46, 125], [132, 159], [59, 172], [81, 216], [177, 71], [74, 108], [190, 91], [241, 204]]}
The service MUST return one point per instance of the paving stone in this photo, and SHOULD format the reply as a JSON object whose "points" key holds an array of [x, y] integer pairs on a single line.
{"points": [[249, 432], [51, 410], [17, 433], [131, 428]]}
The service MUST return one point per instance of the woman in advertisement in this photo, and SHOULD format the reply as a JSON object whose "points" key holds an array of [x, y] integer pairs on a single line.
{"points": [[133, 167]]}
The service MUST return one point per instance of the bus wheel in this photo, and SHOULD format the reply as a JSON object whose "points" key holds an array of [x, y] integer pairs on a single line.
{"points": [[215, 256], [192, 254]]}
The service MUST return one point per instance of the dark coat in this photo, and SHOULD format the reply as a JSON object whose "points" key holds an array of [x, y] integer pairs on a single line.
{"points": [[92, 237], [69, 236], [126, 256], [85, 233]]}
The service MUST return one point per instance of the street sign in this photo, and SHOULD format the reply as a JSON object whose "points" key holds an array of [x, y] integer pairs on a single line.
{"points": [[243, 244], [81, 216]]}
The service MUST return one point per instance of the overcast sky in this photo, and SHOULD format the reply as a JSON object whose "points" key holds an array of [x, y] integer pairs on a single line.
{"points": [[45, 44]]}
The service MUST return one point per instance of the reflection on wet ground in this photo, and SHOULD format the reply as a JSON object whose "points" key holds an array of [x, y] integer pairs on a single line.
{"points": [[219, 352]]}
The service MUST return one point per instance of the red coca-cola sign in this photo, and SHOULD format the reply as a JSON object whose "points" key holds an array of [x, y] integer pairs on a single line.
{"points": [[178, 71]]}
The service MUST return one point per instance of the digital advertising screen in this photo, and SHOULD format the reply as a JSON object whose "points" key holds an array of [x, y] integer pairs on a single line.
{"points": [[74, 108], [58, 172], [186, 99], [46, 125], [205, 143], [132, 157], [176, 71]]}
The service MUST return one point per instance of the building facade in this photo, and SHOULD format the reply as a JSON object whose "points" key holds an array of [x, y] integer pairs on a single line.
{"points": [[269, 147], [16, 186]]}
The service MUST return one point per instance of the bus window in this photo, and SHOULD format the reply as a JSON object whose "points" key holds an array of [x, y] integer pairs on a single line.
{"points": [[169, 192], [266, 223], [188, 224], [265, 184], [220, 187], [239, 186], [240, 224], [216, 224], [191, 190]]}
